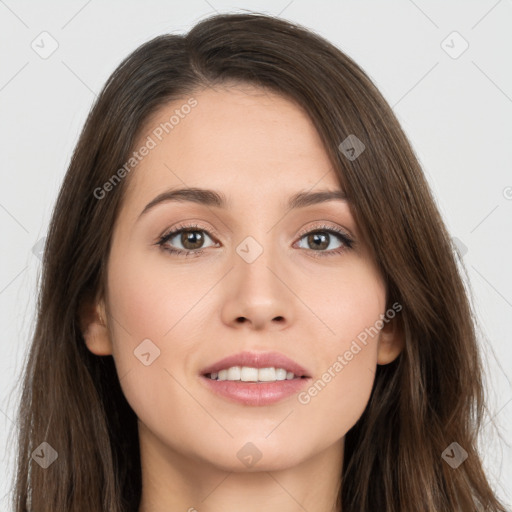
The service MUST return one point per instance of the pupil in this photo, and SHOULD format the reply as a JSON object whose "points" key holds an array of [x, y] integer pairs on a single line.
{"points": [[191, 237], [319, 239]]}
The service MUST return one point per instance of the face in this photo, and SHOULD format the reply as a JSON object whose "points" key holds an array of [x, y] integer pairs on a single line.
{"points": [[252, 275]]}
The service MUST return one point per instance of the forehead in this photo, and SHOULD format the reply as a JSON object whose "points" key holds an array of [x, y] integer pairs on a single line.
{"points": [[243, 140]]}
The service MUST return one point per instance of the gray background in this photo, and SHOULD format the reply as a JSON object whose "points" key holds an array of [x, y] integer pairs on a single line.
{"points": [[456, 110]]}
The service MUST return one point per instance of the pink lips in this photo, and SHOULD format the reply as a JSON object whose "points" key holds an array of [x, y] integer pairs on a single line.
{"points": [[257, 360], [256, 393]]}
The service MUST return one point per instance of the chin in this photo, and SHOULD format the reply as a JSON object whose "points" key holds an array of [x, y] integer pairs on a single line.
{"points": [[250, 457]]}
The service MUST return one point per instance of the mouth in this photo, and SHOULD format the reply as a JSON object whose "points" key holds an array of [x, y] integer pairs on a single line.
{"points": [[255, 379]]}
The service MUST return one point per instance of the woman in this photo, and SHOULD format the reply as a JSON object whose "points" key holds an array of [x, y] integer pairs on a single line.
{"points": [[248, 296]]}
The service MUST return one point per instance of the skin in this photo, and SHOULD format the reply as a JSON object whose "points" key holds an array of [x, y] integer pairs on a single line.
{"points": [[258, 149]]}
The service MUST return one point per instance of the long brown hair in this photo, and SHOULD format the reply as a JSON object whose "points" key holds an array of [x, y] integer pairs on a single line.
{"points": [[431, 396]]}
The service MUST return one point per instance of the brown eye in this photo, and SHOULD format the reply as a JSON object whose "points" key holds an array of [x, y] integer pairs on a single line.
{"points": [[190, 238], [320, 240]]}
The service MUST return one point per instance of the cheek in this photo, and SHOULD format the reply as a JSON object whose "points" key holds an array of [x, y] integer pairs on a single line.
{"points": [[154, 313], [352, 304], [349, 301], [149, 299]]}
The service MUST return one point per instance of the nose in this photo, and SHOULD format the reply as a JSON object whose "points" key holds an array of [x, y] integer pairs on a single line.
{"points": [[258, 295]]}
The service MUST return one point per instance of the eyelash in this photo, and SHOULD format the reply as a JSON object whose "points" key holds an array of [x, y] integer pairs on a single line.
{"points": [[347, 242]]}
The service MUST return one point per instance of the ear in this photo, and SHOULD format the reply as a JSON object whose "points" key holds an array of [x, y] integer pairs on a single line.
{"points": [[391, 341], [93, 324]]}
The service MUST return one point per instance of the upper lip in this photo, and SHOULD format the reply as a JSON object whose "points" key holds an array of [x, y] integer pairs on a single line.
{"points": [[258, 360]]}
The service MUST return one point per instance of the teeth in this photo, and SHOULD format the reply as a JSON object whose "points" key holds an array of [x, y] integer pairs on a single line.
{"points": [[252, 374], [233, 373], [249, 374], [281, 374]]}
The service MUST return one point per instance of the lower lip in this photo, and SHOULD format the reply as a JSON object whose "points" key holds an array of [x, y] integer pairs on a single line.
{"points": [[256, 393]]}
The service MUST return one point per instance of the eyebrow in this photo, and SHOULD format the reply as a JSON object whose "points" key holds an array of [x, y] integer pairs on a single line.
{"points": [[217, 199]]}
